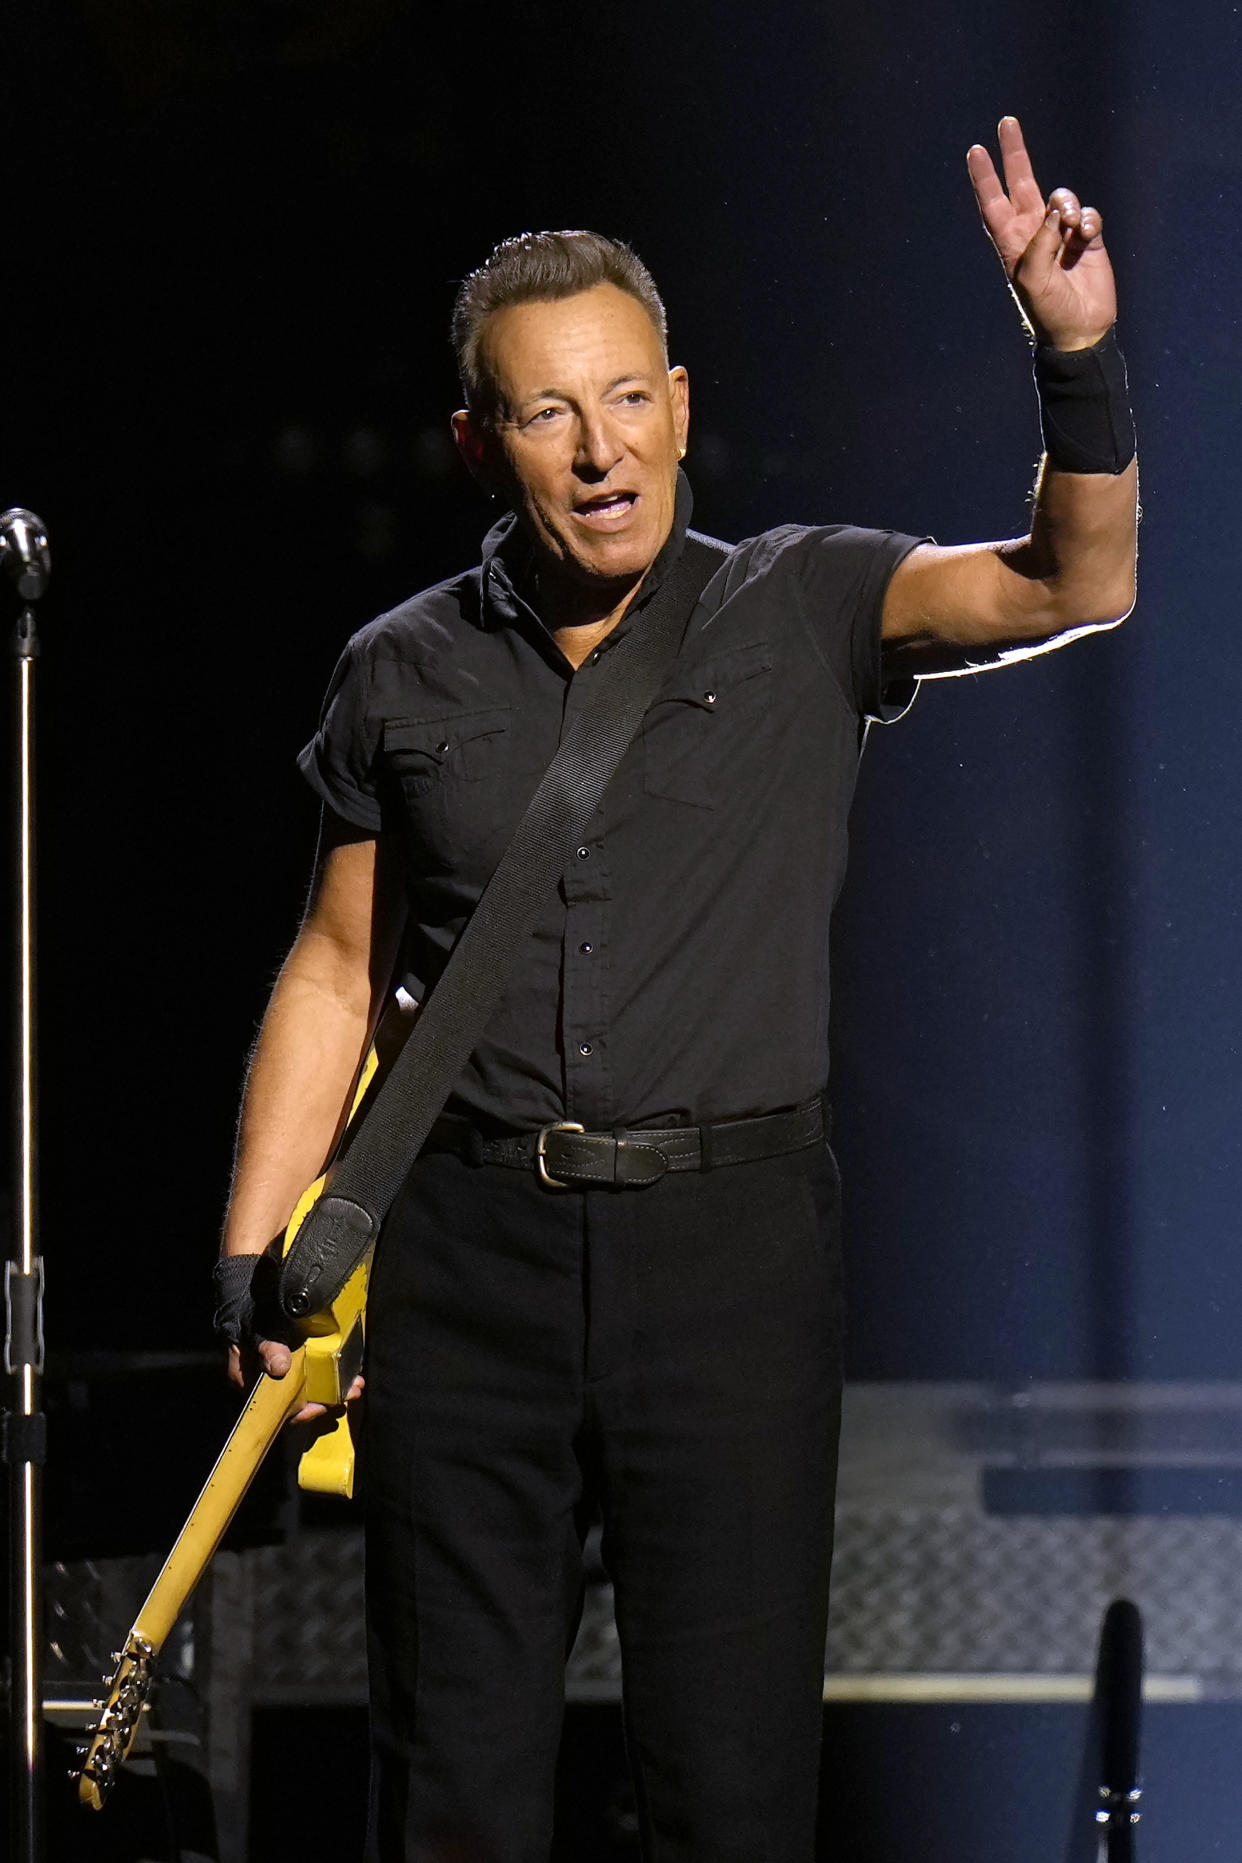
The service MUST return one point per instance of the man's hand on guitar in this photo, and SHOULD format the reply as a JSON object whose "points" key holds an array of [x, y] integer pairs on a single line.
{"points": [[247, 1310], [270, 1356]]}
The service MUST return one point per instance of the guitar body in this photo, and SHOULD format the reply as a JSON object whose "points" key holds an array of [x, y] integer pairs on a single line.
{"points": [[324, 1367], [334, 1342]]}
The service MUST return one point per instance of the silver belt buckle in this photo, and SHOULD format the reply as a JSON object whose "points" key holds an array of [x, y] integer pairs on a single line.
{"points": [[545, 1176]]}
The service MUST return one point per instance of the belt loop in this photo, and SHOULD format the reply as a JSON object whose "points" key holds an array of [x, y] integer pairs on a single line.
{"points": [[473, 1151], [706, 1160]]}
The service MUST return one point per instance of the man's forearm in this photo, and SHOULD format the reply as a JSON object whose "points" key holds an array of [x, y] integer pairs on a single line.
{"points": [[1080, 553], [297, 1094], [1076, 567]]}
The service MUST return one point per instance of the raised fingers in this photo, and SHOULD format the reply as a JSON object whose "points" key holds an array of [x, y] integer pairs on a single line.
{"points": [[994, 205], [1024, 190], [984, 178]]}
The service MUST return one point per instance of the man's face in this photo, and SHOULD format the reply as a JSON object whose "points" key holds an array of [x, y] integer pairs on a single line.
{"points": [[590, 426]]}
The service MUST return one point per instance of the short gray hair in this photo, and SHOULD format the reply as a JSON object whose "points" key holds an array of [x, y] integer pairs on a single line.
{"points": [[533, 266]]}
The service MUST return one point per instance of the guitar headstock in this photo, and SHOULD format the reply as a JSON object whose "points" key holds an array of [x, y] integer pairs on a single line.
{"points": [[113, 1734]]}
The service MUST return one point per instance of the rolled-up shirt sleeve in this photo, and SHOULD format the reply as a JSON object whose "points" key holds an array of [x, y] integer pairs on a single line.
{"points": [[340, 762]]}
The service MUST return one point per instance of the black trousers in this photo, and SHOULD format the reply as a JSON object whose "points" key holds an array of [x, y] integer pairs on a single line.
{"points": [[671, 1355]]}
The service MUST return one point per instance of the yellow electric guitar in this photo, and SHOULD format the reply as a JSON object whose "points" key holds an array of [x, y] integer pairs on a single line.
{"points": [[323, 1368]]}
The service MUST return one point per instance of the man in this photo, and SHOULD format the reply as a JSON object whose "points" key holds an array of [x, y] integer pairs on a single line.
{"points": [[667, 1352]]}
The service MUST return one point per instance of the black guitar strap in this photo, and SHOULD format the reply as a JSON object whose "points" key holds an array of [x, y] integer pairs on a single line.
{"points": [[345, 1220]]}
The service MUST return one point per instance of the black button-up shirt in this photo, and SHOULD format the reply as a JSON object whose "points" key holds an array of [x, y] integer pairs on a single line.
{"points": [[680, 973]]}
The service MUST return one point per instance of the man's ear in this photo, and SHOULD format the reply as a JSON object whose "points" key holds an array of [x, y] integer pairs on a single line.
{"points": [[679, 395], [477, 448]]}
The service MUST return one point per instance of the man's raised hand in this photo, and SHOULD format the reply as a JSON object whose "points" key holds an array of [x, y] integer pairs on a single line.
{"points": [[1052, 251]]}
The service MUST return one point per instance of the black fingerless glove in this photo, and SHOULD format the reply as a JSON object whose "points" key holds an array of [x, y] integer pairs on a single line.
{"points": [[1084, 407], [247, 1308]]}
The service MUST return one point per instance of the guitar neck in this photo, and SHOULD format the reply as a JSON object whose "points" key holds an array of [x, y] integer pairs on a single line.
{"points": [[271, 1402], [322, 1370]]}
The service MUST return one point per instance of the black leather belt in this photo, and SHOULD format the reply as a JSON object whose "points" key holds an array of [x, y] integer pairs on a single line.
{"points": [[566, 1158]]}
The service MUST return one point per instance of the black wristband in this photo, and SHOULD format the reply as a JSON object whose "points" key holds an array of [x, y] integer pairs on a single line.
{"points": [[1084, 407], [247, 1308]]}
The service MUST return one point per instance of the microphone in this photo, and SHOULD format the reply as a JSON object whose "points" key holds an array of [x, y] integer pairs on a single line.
{"points": [[24, 554]]}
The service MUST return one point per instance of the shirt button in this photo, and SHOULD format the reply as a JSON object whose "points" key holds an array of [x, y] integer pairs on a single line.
{"points": [[584, 853], [709, 698], [586, 1048], [586, 949], [441, 748]]}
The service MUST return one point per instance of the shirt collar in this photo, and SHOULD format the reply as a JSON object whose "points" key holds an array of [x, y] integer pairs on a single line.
{"points": [[506, 560]]}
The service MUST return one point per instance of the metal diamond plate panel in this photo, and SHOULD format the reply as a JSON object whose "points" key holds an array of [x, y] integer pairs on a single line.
{"points": [[308, 1618], [952, 1590], [914, 1589], [925, 1581]]}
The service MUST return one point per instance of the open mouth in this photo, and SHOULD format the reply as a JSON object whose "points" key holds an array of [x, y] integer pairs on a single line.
{"points": [[610, 509]]}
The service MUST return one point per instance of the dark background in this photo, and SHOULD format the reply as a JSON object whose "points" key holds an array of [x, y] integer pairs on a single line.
{"points": [[233, 234], [233, 240]]}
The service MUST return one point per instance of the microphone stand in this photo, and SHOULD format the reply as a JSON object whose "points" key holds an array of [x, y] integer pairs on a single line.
{"points": [[24, 1426], [1119, 1696]]}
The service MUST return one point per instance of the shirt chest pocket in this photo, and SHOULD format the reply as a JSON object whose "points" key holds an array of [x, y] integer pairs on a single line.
{"points": [[704, 731], [421, 754], [451, 788]]}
